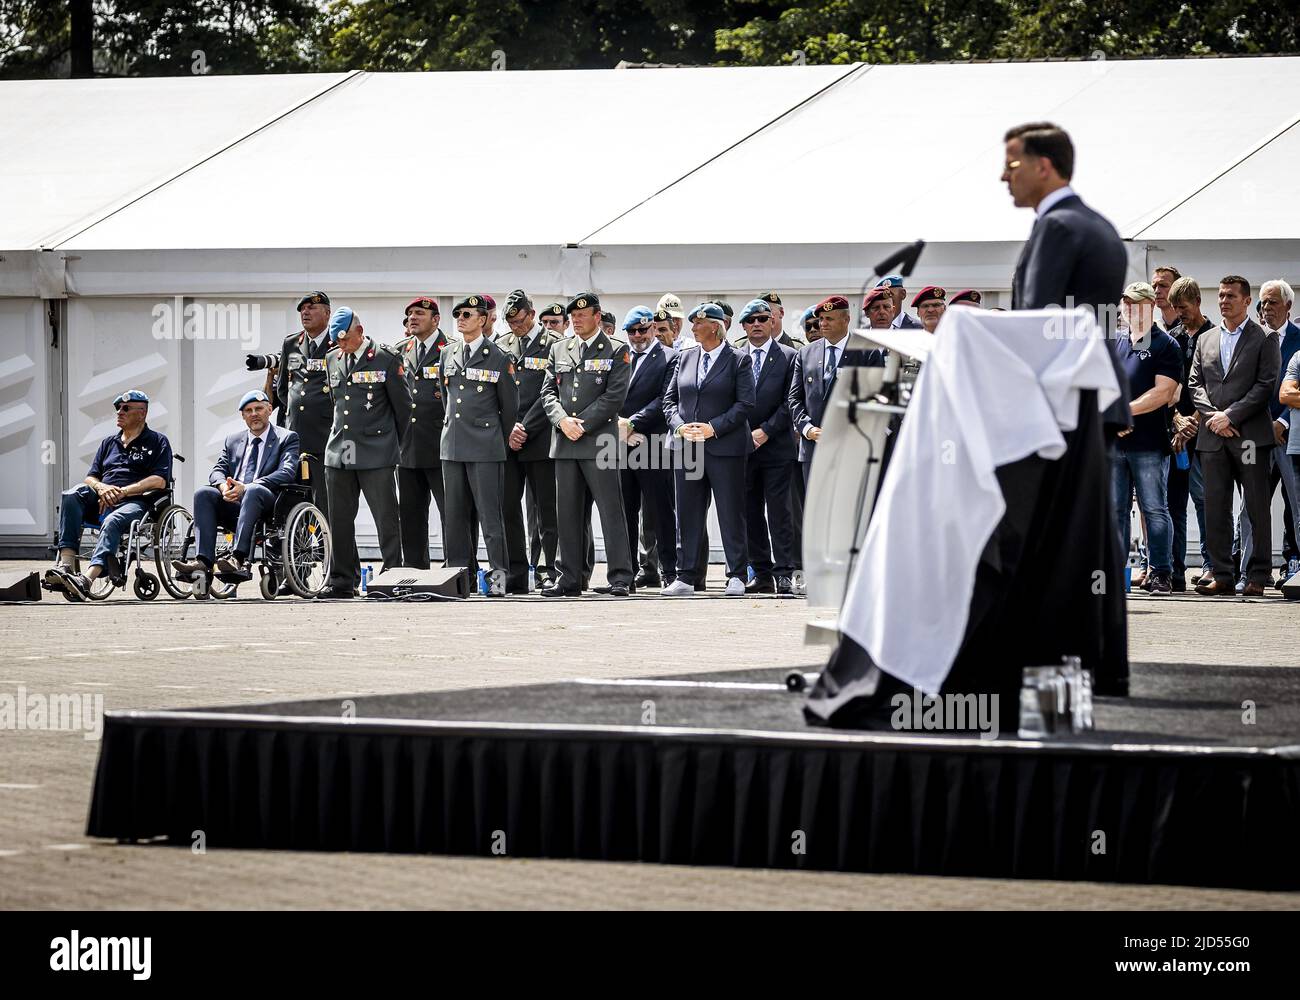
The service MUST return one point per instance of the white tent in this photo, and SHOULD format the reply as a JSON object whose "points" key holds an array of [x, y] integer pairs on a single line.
{"points": [[125, 206]]}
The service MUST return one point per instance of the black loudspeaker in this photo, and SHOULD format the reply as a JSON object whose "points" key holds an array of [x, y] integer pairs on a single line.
{"points": [[1291, 588], [450, 582], [20, 586]]}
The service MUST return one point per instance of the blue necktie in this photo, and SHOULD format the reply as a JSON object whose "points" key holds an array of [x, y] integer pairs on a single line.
{"points": [[706, 366], [830, 368], [250, 470], [758, 365]]}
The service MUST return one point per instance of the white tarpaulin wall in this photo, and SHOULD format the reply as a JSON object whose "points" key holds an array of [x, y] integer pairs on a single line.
{"points": [[246, 191]]}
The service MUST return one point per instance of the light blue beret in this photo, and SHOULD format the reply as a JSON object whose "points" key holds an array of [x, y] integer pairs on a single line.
{"points": [[753, 307], [254, 396], [708, 310], [340, 321], [890, 281], [636, 315], [131, 396]]}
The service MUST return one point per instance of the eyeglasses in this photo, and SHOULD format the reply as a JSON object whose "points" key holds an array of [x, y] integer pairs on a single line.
{"points": [[642, 328], [464, 314], [754, 319]]}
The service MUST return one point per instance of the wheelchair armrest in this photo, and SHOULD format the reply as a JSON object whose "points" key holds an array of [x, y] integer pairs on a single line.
{"points": [[156, 500]]}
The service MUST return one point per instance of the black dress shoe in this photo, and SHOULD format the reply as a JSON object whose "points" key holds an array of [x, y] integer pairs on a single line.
{"points": [[561, 591], [647, 580], [761, 585], [339, 593], [784, 585], [612, 590], [701, 586]]}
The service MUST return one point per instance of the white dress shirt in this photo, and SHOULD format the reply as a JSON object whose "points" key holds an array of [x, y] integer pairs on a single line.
{"points": [[1228, 343], [712, 356], [1060, 194], [247, 475]]}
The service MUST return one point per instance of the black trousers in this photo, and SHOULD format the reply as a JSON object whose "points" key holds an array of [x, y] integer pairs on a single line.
{"points": [[319, 489], [723, 478], [414, 488], [1222, 470], [797, 493], [475, 493], [538, 478], [767, 512], [580, 482], [648, 493], [345, 489]]}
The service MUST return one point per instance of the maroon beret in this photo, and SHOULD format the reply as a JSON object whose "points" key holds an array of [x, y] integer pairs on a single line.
{"points": [[930, 293], [876, 293], [423, 302], [830, 304], [967, 296]]}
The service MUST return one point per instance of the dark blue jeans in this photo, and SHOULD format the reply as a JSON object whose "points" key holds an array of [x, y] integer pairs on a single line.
{"points": [[1148, 473], [1185, 484], [80, 507]]}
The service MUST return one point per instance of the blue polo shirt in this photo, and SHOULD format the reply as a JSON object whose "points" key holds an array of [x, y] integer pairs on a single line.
{"points": [[1142, 363], [149, 454]]}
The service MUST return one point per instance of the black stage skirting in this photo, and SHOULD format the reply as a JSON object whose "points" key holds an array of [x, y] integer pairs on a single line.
{"points": [[1172, 788]]}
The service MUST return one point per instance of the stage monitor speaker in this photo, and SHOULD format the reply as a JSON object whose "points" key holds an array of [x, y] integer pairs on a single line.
{"points": [[20, 586], [1291, 588], [449, 582]]}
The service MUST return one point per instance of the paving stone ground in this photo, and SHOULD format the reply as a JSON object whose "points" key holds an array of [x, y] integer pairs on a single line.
{"points": [[171, 654]]}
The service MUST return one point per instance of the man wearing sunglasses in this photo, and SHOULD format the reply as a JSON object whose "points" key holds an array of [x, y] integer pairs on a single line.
{"points": [[129, 465], [554, 318]]}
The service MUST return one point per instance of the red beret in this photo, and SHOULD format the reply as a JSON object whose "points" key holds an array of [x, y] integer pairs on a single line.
{"points": [[876, 293], [491, 302], [830, 304], [930, 293], [967, 296], [423, 302]]}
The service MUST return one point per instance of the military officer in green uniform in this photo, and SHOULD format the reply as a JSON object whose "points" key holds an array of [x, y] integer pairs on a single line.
{"points": [[482, 400], [301, 391], [528, 456], [372, 412], [419, 471], [584, 390]]}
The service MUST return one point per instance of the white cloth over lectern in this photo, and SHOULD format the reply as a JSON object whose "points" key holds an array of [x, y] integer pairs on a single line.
{"points": [[996, 388]]}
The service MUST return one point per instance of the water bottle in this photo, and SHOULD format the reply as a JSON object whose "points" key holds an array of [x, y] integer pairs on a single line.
{"points": [[365, 580], [1033, 721], [1182, 460], [750, 571], [532, 579], [482, 582]]}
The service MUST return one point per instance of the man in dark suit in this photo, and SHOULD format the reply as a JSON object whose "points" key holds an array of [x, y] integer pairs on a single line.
{"points": [[419, 469], [707, 405], [767, 470], [893, 283], [1074, 256], [1233, 380], [646, 469], [254, 466], [813, 378], [528, 460]]}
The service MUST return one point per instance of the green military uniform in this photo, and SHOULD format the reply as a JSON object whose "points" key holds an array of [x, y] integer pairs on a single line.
{"points": [[372, 406], [589, 381], [482, 399], [419, 470], [531, 466], [302, 393]]}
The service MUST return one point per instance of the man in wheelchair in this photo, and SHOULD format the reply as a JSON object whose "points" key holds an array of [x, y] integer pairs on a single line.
{"points": [[255, 465], [128, 471]]}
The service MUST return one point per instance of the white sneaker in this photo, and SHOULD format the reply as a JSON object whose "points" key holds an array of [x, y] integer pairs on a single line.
{"points": [[678, 588], [735, 587], [797, 583]]}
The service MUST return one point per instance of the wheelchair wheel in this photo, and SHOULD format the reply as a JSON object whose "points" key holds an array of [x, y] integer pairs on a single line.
{"points": [[145, 585], [173, 538], [306, 550], [268, 585]]}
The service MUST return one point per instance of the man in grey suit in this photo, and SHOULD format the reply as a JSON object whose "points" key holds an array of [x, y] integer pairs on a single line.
{"points": [[1074, 256], [1233, 379], [372, 413], [586, 384]]}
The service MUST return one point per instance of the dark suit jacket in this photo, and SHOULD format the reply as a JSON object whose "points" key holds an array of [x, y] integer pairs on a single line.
{"points": [[277, 465], [1243, 392], [1074, 257], [772, 404], [1289, 344], [644, 404], [809, 390], [723, 398]]}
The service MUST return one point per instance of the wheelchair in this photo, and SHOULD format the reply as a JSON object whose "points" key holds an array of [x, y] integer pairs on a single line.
{"points": [[292, 546], [146, 541]]}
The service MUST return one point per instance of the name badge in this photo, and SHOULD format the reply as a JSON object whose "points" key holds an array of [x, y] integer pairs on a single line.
{"points": [[429, 371], [315, 365], [482, 375], [535, 364], [598, 365], [369, 378]]}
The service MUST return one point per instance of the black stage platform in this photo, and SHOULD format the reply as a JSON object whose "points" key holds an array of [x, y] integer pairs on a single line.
{"points": [[1172, 787]]}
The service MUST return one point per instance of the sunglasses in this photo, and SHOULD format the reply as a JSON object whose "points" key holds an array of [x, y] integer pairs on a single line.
{"points": [[642, 328], [464, 314], [754, 319], [127, 407]]}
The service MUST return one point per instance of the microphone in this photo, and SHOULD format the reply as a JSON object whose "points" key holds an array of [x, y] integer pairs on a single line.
{"points": [[906, 257]]}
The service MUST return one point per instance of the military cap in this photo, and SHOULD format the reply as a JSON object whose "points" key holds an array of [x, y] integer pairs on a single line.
{"points": [[636, 316], [671, 304], [662, 316], [312, 298], [707, 310], [608, 317], [890, 281], [930, 293], [340, 322], [131, 396], [584, 300], [725, 307], [554, 309], [809, 313], [830, 304], [755, 306], [478, 302], [517, 302], [423, 302], [253, 396], [771, 297], [879, 292], [966, 297], [491, 302]]}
